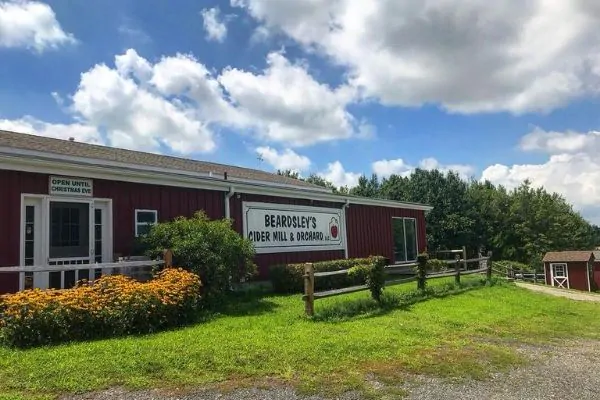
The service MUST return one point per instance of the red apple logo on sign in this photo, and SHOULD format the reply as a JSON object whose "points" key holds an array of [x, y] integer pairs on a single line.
{"points": [[333, 228]]}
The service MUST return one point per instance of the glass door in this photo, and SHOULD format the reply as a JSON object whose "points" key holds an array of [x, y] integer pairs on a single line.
{"points": [[70, 239]]}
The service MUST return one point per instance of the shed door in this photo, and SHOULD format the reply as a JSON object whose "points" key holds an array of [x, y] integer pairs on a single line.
{"points": [[560, 275]]}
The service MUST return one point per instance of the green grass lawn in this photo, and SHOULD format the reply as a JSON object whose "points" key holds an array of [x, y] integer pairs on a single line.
{"points": [[268, 341]]}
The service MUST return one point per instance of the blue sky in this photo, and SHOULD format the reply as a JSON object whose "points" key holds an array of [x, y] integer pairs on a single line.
{"points": [[331, 87]]}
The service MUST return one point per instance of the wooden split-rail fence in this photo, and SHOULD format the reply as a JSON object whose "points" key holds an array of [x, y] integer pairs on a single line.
{"points": [[460, 268], [513, 274]]}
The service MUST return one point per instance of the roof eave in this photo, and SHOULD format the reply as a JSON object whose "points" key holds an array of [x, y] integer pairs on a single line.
{"points": [[35, 161]]}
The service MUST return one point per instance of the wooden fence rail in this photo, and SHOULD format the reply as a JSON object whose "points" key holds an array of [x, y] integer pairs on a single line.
{"points": [[310, 295], [523, 275]]}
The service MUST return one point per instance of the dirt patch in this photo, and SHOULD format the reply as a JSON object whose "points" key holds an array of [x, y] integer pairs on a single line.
{"points": [[569, 371]]}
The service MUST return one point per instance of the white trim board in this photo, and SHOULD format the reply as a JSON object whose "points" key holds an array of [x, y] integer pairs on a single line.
{"points": [[566, 276], [47, 163]]}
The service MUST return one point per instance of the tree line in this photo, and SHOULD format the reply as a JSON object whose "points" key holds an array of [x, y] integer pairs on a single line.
{"points": [[521, 224]]}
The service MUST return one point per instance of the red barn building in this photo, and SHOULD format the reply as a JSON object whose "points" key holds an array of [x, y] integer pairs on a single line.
{"points": [[570, 270], [64, 203]]}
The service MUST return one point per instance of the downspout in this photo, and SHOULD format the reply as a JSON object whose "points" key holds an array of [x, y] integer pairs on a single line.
{"points": [[228, 196], [345, 232]]}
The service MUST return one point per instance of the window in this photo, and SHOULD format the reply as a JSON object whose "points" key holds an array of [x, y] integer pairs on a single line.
{"points": [[65, 226], [404, 231], [144, 219], [69, 229], [560, 270]]}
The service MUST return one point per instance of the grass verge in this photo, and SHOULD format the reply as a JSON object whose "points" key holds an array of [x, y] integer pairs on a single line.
{"points": [[268, 340]]}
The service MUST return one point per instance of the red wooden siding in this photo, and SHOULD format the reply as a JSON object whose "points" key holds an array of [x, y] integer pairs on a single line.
{"points": [[578, 278], [597, 274], [170, 202], [12, 184], [369, 230], [127, 197]]}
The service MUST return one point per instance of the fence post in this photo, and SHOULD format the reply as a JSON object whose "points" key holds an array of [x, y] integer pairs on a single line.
{"points": [[489, 267], [464, 256], [309, 289], [457, 270], [535, 275], [422, 271], [168, 258]]}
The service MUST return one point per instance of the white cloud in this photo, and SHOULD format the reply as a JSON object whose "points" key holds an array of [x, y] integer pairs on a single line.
{"points": [[31, 24], [135, 115], [560, 142], [463, 170], [176, 104], [288, 105], [214, 27], [469, 56], [336, 174], [572, 169], [79, 132], [385, 168], [287, 159]]}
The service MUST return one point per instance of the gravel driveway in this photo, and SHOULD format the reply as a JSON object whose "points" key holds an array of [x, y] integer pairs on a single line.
{"points": [[570, 294], [568, 372]]}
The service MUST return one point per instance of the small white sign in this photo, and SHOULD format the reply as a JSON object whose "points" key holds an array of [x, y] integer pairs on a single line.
{"points": [[279, 228], [63, 186]]}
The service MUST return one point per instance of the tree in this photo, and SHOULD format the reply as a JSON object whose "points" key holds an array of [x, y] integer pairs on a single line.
{"points": [[210, 248], [367, 187], [289, 173], [519, 225]]}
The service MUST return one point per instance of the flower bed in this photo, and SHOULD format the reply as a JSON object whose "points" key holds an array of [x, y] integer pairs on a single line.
{"points": [[114, 305]]}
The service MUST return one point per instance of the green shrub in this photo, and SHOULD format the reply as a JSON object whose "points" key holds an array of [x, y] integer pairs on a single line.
{"points": [[505, 265], [211, 249], [113, 305], [288, 278], [422, 264], [371, 274]]}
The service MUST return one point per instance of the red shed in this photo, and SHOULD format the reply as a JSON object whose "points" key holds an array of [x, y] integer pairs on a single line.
{"points": [[64, 203], [570, 269]]}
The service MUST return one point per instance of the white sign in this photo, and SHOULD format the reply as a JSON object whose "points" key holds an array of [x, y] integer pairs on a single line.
{"points": [[279, 228], [64, 186]]}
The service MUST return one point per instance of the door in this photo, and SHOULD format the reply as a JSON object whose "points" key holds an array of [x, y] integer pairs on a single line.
{"points": [[60, 232], [560, 275], [70, 239], [32, 243]]}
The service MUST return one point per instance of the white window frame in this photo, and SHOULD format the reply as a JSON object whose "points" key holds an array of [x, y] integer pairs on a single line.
{"points": [[137, 224], [405, 247], [564, 277]]}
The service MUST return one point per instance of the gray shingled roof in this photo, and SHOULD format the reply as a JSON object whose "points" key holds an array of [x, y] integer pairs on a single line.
{"points": [[567, 256], [98, 152]]}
